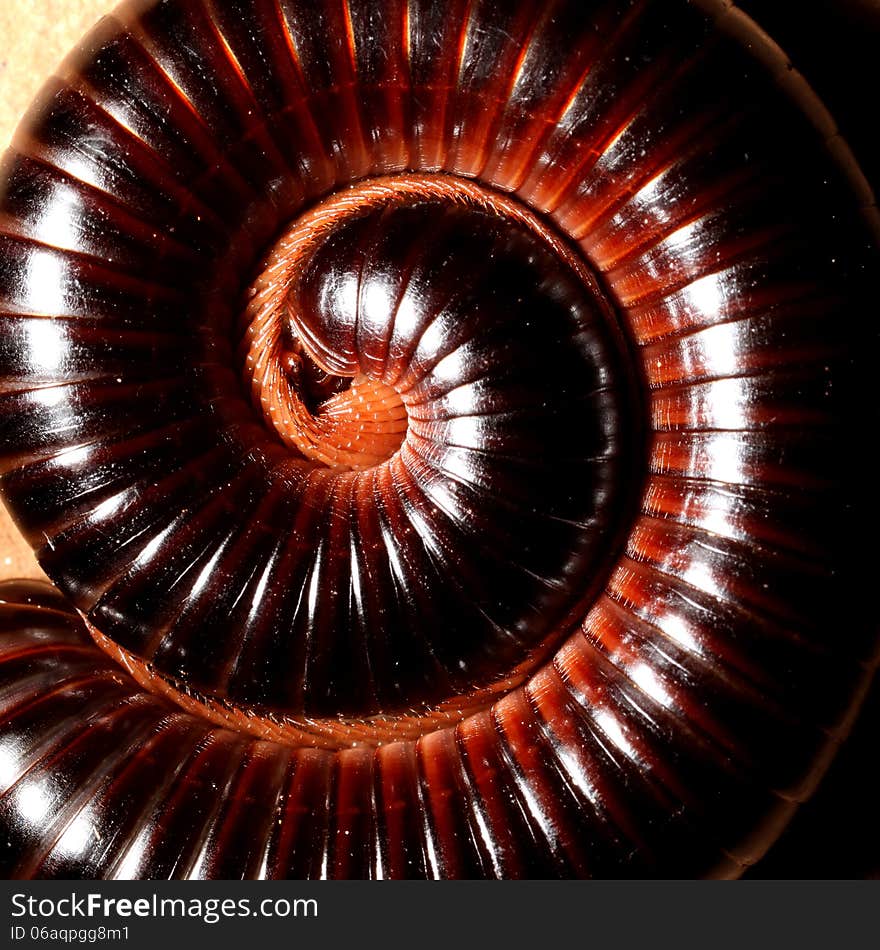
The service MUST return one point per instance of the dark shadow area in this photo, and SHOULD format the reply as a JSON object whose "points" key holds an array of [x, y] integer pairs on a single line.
{"points": [[835, 44]]}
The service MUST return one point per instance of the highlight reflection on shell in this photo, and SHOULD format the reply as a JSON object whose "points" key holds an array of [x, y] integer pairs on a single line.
{"points": [[562, 584]]}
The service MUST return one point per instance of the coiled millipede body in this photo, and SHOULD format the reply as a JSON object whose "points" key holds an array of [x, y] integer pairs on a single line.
{"points": [[441, 423]]}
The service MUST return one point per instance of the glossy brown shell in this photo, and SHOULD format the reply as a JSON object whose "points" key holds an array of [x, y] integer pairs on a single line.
{"points": [[597, 611]]}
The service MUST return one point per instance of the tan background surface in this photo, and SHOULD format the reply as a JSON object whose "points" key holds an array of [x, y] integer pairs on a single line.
{"points": [[36, 35]]}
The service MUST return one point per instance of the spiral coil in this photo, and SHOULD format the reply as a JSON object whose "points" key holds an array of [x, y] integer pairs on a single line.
{"points": [[562, 584]]}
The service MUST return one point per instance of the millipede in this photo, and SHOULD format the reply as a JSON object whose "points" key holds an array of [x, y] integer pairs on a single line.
{"points": [[442, 426]]}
